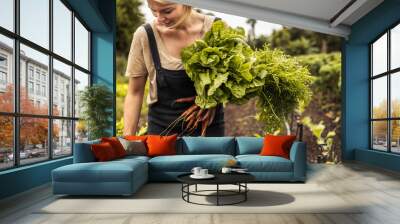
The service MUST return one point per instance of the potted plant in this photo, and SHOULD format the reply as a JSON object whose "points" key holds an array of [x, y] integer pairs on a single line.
{"points": [[96, 102]]}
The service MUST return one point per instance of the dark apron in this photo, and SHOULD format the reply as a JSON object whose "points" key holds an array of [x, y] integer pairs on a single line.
{"points": [[172, 85]]}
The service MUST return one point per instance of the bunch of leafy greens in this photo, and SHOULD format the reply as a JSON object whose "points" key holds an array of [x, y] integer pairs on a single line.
{"points": [[286, 87], [220, 66], [225, 69]]}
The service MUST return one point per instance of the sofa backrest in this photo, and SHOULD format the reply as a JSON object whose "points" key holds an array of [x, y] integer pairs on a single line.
{"points": [[249, 145], [206, 145], [83, 152]]}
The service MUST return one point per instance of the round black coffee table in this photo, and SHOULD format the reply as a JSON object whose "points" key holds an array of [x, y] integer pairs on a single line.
{"points": [[238, 179]]}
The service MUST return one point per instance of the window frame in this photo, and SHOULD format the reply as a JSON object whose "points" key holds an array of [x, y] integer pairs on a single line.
{"points": [[16, 114], [388, 74]]}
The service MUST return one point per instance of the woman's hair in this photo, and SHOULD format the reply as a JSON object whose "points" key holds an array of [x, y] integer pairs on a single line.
{"points": [[187, 11]]}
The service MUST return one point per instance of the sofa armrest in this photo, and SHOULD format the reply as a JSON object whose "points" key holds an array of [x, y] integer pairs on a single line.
{"points": [[298, 155], [83, 152]]}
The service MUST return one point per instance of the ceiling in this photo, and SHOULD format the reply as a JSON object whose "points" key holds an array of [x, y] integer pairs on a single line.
{"points": [[333, 17]]}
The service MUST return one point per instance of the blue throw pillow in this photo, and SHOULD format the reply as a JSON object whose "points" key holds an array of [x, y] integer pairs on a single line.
{"points": [[249, 145], [207, 145]]}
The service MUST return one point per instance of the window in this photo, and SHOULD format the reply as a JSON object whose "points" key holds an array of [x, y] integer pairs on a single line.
{"points": [[35, 22], [62, 74], [30, 72], [81, 45], [44, 91], [3, 78], [37, 74], [30, 87], [385, 94], [38, 89], [3, 71], [3, 61], [6, 73], [55, 129], [62, 29], [7, 14], [44, 77]]}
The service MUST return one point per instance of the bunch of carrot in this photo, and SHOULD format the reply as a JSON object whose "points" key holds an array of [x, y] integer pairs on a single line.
{"points": [[192, 117]]}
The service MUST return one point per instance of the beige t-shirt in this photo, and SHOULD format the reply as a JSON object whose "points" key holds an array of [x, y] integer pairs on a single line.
{"points": [[140, 61]]}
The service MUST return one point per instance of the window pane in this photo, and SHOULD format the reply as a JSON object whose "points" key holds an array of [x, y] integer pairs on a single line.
{"points": [[395, 47], [395, 136], [7, 14], [62, 89], [81, 45], [35, 21], [81, 81], [62, 29], [379, 97], [395, 94], [34, 78], [33, 140], [379, 135], [81, 131], [6, 74], [379, 55], [6, 142], [62, 138]]}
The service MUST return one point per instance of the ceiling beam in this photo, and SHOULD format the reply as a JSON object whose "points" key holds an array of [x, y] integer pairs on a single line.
{"points": [[269, 15], [346, 12]]}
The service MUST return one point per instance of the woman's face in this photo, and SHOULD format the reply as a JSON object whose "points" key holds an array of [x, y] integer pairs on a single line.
{"points": [[166, 14]]}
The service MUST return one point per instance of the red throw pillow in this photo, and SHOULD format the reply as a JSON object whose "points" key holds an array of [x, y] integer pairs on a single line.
{"points": [[277, 145], [161, 145], [103, 151], [116, 145]]}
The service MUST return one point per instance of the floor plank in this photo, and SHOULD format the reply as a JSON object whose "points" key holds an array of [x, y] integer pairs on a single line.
{"points": [[376, 190]]}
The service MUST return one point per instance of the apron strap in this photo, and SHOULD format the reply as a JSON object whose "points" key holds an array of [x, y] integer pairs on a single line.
{"points": [[153, 46]]}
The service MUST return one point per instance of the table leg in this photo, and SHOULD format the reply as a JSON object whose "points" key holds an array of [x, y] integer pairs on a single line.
{"points": [[217, 194], [196, 187], [245, 193]]}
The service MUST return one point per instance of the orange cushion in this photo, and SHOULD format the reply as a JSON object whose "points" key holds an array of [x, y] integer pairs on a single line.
{"points": [[277, 145], [161, 145], [134, 138], [103, 151], [116, 145]]}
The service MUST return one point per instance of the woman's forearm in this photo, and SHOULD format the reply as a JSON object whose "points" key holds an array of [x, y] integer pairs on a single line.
{"points": [[132, 108]]}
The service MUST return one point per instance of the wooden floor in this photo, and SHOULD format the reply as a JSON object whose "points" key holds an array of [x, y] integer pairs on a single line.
{"points": [[354, 182]]}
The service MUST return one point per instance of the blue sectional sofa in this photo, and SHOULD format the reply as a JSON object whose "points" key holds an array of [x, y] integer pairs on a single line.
{"points": [[125, 176]]}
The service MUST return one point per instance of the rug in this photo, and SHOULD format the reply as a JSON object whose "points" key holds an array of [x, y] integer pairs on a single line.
{"points": [[166, 198]]}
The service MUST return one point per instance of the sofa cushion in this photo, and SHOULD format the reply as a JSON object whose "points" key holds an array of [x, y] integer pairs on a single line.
{"points": [[207, 145], [248, 145], [257, 163], [111, 171], [185, 163]]}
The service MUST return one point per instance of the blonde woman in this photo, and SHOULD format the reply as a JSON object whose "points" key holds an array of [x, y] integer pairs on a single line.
{"points": [[155, 55]]}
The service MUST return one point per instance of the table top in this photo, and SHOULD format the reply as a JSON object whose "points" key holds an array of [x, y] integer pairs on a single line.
{"points": [[220, 178]]}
